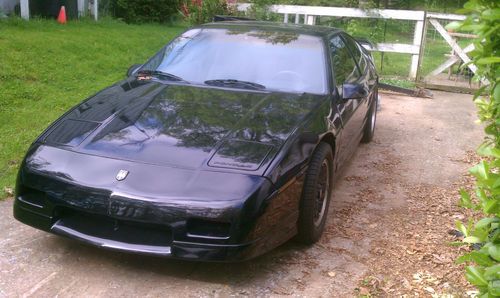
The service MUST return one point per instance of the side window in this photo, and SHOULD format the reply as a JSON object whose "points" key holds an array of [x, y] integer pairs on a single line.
{"points": [[356, 52], [343, 65]]}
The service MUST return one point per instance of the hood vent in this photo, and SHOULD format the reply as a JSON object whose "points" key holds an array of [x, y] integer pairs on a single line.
{"points": [[240, 155], [71, 132]]}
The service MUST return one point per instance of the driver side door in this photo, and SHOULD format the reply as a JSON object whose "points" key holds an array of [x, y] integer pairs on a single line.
{"points": [[345, 71]]}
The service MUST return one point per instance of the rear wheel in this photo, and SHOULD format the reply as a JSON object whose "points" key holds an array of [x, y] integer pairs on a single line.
{"points": [[371, 119], [316, 194]]}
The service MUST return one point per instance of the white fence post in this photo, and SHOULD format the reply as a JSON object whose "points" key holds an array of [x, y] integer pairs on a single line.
{"points": [[310, 20], [25, 9], [81, 8], [96, 9], [417, 41]]}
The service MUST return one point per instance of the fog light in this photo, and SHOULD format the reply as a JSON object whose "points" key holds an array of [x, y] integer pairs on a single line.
{"points": [[32, 197]]}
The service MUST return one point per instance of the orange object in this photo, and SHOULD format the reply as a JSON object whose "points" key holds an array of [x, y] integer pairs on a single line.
{"points": [[61, 19]]}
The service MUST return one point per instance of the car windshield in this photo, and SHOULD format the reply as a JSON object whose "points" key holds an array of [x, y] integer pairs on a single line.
{"points": [[256, 59]]}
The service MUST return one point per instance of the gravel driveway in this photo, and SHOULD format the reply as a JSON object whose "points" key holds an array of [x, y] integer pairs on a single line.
{"points": [[386, 234]]}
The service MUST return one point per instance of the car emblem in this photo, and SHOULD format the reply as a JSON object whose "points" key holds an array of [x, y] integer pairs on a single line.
{"points": [[122, 174]]}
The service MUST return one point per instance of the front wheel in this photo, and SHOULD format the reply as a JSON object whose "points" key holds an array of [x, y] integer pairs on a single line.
{"points": [[316, 194]]}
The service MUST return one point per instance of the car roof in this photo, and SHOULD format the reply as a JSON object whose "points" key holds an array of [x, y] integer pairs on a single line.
{"points": [[322, 31]]}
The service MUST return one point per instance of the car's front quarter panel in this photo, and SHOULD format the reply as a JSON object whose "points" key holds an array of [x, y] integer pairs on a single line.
{"points": [[281, 210], [294, 155]]}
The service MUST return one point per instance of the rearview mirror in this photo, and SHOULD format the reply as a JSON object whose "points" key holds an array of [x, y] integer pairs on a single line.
{"points": [[132, 69], [354, 91]]}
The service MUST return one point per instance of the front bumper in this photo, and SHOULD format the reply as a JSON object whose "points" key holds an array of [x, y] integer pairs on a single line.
{"points": [[134, 241], [129, 231], [156, 210]]}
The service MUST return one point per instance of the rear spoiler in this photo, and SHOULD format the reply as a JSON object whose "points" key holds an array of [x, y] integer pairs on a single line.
{"points": [[219, 18]]}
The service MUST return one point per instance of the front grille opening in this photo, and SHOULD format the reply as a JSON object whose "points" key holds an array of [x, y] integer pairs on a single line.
{"points": [[117, 230], [32, 197], [208, 229]]}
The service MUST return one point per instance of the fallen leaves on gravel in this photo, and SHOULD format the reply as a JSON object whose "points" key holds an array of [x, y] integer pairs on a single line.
{"points": [[417, 259]]}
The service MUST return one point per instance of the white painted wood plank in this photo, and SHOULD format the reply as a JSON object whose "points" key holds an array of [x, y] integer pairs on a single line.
{"points": [[310, 20], [417, 41], [243, 6], [453, 44], [444, 16], [447, 64], [461, 53], [393, 48], [350, 12], [25, 9], [464, 35], [415, 15], [469, 48]]}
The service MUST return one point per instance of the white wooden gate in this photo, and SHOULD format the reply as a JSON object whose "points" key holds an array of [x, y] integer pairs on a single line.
{"points": [[309, 14], [459, 54]]}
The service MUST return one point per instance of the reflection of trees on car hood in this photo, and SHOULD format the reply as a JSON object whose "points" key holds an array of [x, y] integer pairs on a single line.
{"points": [[194, 117], [164, 118]]}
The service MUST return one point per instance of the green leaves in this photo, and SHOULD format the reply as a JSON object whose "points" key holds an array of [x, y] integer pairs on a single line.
{"points": [[483, 21], [465, 200], [199, 12], [492, 272], [494, 252], [494, 288], [462, 228], [485, 222], [491, 14], [480, 171], [475, 276], [488, 60]]}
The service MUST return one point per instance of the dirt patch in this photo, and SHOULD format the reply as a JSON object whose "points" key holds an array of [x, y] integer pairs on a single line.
{"points": [[387, 233]]}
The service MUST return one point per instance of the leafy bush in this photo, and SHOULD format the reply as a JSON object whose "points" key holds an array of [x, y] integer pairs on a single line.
{"points": [[147, 11], [484, 235], [203, 11], [260, 10]]}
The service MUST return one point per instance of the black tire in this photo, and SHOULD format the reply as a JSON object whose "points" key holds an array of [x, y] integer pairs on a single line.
{"points": [[316, 194], [371, 120]]}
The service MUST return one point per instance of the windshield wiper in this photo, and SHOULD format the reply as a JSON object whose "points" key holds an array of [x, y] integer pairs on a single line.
{"points": [[160, 74], [235, 84]]}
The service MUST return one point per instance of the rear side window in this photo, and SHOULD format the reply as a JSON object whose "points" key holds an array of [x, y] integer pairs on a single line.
{"points": [[343, 65]]}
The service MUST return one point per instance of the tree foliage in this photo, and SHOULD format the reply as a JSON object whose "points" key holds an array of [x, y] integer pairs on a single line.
{"points": [[147, 11], [203, 11], [484, 21]]}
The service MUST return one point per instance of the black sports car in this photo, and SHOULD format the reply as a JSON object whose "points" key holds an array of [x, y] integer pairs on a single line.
{"points": [[222, 146]]}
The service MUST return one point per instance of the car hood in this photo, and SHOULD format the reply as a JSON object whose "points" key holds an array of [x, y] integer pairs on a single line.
{"points": [[185, 126]]}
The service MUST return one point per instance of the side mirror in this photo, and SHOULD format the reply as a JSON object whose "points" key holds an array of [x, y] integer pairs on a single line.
{"points": [[132, 69], [354, 91]]}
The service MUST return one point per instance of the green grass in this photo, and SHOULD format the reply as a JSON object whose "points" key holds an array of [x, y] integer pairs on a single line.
{"points": [[46, 68]]}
